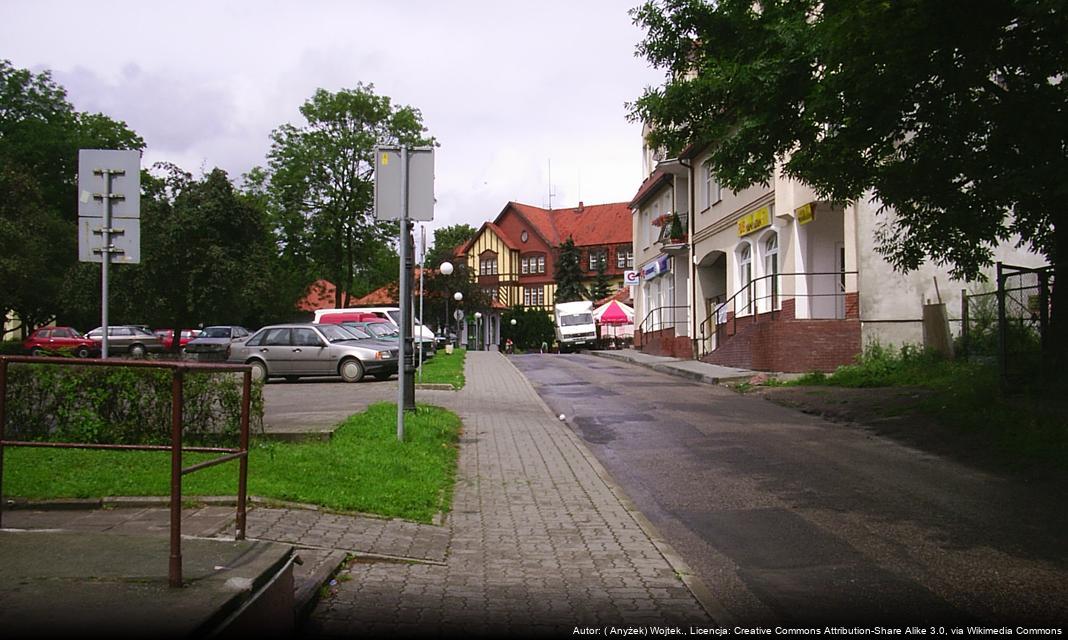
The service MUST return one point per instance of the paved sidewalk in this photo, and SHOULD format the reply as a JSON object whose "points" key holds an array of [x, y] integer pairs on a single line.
{"points": [[692, 369], [541, 541]]}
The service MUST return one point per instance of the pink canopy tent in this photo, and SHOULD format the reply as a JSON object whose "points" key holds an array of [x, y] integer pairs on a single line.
{"points": [[616, 319]]}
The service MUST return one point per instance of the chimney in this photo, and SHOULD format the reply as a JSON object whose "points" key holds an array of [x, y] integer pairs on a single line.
{"points": [[581, 206]]}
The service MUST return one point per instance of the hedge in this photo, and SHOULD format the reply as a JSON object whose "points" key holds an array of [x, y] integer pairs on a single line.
{"points": [[124, 405]]}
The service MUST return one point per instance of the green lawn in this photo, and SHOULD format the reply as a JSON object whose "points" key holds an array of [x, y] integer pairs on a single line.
{"points": [[364, 468], [444, 368]]}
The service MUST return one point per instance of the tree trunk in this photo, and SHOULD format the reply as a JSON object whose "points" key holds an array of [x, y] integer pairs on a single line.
{"points": [[1056, 357]]}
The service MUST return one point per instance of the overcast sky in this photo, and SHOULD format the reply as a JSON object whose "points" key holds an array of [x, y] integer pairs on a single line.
{"points": [[505, 87]]}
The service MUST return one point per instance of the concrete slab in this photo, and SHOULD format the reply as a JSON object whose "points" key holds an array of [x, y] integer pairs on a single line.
{"points": [[692, 369], [56, 583]]}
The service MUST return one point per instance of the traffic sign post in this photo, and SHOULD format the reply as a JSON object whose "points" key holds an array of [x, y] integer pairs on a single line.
{"points": [[112, 228], [404, 191]]}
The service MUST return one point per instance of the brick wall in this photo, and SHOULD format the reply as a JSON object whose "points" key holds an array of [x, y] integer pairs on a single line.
{"points": [[663, 343], [790, 345]]}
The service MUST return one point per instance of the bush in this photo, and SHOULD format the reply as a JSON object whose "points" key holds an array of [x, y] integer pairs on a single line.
{"points": [[124, 405], [11, 348], [880, 366]]}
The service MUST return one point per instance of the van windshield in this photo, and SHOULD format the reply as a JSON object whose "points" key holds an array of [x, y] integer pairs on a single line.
{"points": [[395, 315], [578, 318]]}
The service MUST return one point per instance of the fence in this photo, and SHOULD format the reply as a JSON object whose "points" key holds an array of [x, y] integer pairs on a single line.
{"points": [[1009, 325], [178, 371]]}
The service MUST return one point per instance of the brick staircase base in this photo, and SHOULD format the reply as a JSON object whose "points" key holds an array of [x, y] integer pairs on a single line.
{"points": [[796, 346]]}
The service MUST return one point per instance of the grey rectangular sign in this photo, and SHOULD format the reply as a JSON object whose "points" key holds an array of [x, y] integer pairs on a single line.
{"points": [[91, 241], [389, 187], [91, 183]]}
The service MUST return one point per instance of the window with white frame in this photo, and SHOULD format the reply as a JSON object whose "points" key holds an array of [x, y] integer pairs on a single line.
{"points": [[771, 268], [745, 277], [532, 264], [712, 191], [541, 264], [598, 257], [533, 296], [488, 265], [624, 257]]}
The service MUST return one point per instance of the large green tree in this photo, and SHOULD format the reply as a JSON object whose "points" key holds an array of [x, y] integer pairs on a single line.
{"points": [[953, 115], [207, 256], [321, 185], [568, 275], [446, 240], [40, 134]]}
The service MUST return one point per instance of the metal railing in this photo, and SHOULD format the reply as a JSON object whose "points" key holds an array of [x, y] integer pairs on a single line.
{"points": [[178, 371], [650, 323], [744, 306]]}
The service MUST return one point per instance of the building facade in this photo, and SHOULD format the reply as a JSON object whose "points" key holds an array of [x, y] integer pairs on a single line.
{"points": [[513, 258], [771, 278]]}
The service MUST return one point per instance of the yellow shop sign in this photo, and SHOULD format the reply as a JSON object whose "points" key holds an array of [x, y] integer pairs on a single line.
{"points": [[805, 213], [750, 222]]}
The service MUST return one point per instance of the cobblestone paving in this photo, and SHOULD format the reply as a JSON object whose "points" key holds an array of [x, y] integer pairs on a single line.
{"points": [[539, 542]]}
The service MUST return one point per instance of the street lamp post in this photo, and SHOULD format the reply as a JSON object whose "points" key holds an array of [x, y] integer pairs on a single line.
{"points": [[458, 297], [478, 330], [446, 270]]}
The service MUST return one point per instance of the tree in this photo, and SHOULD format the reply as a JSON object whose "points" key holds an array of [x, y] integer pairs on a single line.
{"points": [[207, 254], [321, 184], [446, 239], [568, 274], [532, 327], [40, 134], [601, 287], [438, 302], [960, 133]]}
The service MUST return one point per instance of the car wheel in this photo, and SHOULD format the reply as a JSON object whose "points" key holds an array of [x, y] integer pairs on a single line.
{"points": [[292, 378], [38, 351], [137, 351], [351, 370], [259, 370], [82, 351]]}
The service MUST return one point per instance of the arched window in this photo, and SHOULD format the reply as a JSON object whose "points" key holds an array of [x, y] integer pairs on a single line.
{"points": [[771, 268], [745, 277]]}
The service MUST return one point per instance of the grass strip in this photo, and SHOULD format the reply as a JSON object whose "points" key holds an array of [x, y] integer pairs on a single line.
{"points": [[363, 468], [445, 368]]}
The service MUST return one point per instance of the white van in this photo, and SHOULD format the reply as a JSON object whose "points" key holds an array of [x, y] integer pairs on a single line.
{"points": [[389, 314]]}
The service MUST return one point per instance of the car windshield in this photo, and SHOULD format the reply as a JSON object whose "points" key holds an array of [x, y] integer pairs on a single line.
{"points": [[357, 331], [336, 333], [216, 332], [578, 318], [381, 329], [395, 314]]}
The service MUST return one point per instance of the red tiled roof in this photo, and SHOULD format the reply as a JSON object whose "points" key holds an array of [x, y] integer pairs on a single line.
{"points": [[588, 225], [622, 295], [319, 295]]}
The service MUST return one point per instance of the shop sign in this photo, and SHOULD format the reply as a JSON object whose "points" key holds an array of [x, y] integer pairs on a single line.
{"points": [[750, 222], [655, 268], [805, 213]]}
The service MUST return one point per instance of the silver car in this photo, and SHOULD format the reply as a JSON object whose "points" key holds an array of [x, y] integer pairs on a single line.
{"points": [[130, 339], [213, 342], [294, 350]]}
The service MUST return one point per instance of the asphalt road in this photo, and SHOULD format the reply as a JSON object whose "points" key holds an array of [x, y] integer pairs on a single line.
{"points": [[790, 519]]}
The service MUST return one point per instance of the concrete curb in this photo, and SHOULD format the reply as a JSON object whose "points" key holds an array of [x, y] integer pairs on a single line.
{"points": [[693, 582], [670, 369]]}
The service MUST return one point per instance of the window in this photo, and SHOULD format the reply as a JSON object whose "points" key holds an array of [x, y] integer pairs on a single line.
{"points": [[598, 256], [491, 293], [276, 338], [523, 236], [745, 275], [712, 192], [306, 338], [488, 266], [771, 267], [525, 265], [625, 258], [533, 296], [533, 264]]}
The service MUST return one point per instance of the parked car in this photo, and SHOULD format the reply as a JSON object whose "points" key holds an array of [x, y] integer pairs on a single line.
{"points": [[389, 314], [59, 340], [127, 339], [304, 349], [214, 342], [381, 330], [167, 336]]}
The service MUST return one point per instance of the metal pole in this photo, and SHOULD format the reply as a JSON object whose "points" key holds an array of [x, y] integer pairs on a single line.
{"points": [[403, 284], [105, 262], [3, 430], [1002, 360], [422, 268], [242, 473], [175, 573]]}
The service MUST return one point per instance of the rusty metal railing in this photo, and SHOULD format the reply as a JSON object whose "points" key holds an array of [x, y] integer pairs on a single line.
{"points": [[178, 371]]}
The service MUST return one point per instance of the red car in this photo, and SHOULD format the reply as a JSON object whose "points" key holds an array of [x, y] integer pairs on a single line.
{"points": [[167, 336], [59, 340]]}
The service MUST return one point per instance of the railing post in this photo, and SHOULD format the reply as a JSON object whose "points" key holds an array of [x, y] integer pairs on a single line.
{"points": [[242, 479], [3, 430], [964, 321], [175, 573]]}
